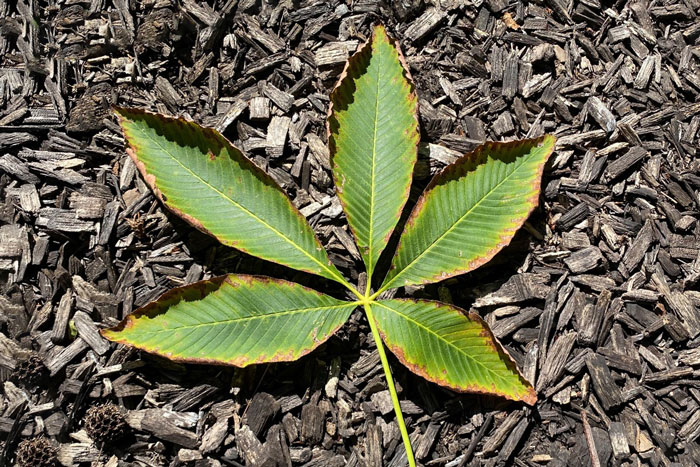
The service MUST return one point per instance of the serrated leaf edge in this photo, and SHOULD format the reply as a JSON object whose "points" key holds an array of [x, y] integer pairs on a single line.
{"points": [[220, 139], [329, 136], [529, 398], [152, 309], [507, 235]]}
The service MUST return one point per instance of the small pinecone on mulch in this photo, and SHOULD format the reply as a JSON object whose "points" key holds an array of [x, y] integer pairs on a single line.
{"points": [[36, 452], [105, 424], [30, 372]]}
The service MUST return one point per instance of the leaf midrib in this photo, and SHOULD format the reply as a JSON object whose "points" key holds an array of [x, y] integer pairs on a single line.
{"points": [[430, 331], [370, 255], [242, 208], [453, 226], [250, 318]]}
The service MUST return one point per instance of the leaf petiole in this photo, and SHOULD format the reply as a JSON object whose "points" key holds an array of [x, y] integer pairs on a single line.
{"points": [[390, 383]]}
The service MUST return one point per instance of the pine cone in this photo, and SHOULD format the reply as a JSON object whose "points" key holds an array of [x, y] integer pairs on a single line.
{"points": [[30, 372], [105, 423], [37, 452]]}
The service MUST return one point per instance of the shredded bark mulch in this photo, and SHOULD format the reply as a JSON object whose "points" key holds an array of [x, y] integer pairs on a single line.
{"points": [[596, 298]]}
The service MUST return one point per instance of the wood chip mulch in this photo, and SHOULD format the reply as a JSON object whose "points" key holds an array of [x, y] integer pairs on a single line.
{"points": [[597, 298]]}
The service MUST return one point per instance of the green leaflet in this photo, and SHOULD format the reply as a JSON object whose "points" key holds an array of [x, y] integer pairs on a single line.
{"points": [[373, 138], [470, 211], [235, 320], [202, 177], [446, 345]]}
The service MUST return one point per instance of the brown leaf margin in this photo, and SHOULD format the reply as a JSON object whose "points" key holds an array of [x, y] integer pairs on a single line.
{"points": [[219, 141], [197, 291], [461, 167], [530, 398], [364, 52]]}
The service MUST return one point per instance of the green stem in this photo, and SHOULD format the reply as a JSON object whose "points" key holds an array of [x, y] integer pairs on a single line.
{"points": [[390, 383]]}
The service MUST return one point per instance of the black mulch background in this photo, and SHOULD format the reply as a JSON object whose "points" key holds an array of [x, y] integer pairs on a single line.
{"points": [[597, 297]]}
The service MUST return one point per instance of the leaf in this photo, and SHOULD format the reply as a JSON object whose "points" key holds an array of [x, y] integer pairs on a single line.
{"points": [[470, 211], [373, 138], [449, 347], [234, 320], [203, 178]]}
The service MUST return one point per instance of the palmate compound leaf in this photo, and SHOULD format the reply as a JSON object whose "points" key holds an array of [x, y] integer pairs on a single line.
{"points": [[373, 138], [470, 211], [234, 320], [450, 347], [202, 177]]}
